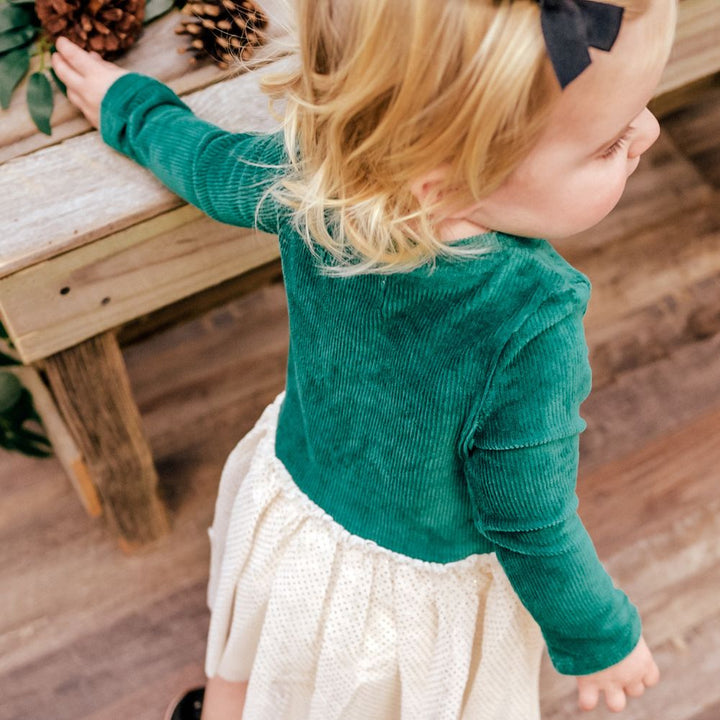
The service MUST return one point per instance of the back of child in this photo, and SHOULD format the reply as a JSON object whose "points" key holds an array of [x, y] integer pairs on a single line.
{"points": [[398, 537]]}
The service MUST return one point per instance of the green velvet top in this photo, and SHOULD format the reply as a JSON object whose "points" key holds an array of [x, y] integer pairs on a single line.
{"points": [[434, 412]]}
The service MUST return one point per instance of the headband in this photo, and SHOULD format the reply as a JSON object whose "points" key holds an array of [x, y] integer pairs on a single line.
{"points": [[571, 27]]}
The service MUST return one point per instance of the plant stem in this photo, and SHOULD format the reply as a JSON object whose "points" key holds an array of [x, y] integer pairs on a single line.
{"points": [[44, 46]]}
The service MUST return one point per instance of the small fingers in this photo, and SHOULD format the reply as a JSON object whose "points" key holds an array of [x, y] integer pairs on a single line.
{"points": [[635, 689], [65, 71], [73, 54], [615, 698], [652, 676], [74, 98], [588, 696]]}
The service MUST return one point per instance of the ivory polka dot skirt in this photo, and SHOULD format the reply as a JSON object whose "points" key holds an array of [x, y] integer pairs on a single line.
{"points": [[326, 625]]}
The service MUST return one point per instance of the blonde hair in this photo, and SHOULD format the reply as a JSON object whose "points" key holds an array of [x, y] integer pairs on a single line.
{"points": [[387, 90]]}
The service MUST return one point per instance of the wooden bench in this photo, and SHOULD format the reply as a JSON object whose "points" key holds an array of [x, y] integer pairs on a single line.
{"points": [[98, 253], [695, 59]]}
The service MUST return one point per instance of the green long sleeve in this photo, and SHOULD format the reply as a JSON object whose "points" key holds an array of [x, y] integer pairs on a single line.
{"points": [[224, 174], [522, 474]]}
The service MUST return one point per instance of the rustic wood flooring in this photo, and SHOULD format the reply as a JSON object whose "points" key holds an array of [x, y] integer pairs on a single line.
{"points": [[87, 633]]}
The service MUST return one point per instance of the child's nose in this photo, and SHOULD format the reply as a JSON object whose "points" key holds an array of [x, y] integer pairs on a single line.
{"points": [[648, 132]]}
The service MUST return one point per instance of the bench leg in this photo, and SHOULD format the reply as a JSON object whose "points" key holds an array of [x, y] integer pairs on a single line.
{"points": [[63, 444], [92, 390]]}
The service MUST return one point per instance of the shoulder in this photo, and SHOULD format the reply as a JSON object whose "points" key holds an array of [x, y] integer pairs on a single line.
{"points": [[546, 288], [541, 374], [543, 270], [527, 286]]}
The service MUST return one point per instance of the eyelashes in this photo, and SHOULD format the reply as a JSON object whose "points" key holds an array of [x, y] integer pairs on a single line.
{"points": [[617, 146]]}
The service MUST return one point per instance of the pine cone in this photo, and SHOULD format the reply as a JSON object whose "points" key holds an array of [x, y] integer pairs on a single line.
{"points": [[222, 30], [109, 27]]}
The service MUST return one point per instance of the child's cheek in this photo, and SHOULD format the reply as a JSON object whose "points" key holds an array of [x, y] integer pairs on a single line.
{"points": [[602, 198]]}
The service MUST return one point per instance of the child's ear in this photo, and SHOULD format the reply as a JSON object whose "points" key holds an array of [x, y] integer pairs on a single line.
{"points": [[427, 186], [430, 187]]}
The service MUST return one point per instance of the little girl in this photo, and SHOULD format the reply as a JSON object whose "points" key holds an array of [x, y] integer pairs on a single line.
{"points": [[398, 537]]}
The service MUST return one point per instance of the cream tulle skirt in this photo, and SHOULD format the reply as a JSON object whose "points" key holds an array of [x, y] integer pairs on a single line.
{"points": [[326, 625]]}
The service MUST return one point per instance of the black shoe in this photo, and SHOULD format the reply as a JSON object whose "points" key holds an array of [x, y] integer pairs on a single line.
{"points": [[188, 706]]}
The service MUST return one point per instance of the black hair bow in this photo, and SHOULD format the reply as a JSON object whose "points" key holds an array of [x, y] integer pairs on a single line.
{"points": [[571, 27]]}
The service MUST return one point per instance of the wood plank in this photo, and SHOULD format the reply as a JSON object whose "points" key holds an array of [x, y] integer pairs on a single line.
{"points": [[694, 128], [653, 292], [156, 52], [655, 517], [199, 304], [55, 304], [93, 392], [649, 401], [63, 444], [90, 191], [708, 713], [695, 56], [159, 629], [677, 471]]}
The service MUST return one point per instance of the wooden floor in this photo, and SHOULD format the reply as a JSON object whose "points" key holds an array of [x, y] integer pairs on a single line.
{"points": [[87, 633]]}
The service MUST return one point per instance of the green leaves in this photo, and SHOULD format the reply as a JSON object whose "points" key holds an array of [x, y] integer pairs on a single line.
{"points": [[13, 67], [40, 101], [6, 359], [16, 38], [13, 17], [59, 82], [10, 392], [19, 26], [16, 409]]}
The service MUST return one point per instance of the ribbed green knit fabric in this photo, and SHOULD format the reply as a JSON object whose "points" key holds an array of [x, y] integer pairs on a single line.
{"points": [[435, 412]]}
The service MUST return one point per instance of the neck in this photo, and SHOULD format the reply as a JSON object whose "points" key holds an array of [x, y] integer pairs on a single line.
{"points": [[459, 228]]}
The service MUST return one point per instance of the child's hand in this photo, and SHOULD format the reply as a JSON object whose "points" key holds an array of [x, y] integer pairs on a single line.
{"points": [[630, 676], [86, 75]]}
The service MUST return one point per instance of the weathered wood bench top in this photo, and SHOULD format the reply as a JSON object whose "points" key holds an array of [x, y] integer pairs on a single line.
{"points": [[68, 189]]}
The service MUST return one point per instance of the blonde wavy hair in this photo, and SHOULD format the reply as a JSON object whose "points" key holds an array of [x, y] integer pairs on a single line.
{"points": [[384, 91]]}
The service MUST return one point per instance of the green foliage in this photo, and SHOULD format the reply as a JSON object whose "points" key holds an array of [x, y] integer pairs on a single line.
{"points": [[16, 410], [19, 27], [13, 68], [40, 101], [59, 82], [22, 37], [15, 38], [13, 17]]}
